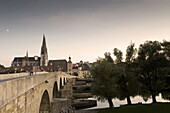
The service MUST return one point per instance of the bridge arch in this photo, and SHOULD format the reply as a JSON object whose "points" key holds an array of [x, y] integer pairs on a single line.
{"points": [[61, 84], [55, 90], [45, 103], [75, 74], [64, 81]]}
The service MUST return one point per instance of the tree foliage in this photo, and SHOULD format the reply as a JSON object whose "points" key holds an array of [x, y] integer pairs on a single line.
{"points": [[104, 85], [119, 55], [130, 53], [126, 82], [145, 75], [152, 63], [166, 48], [166, 51], [108, 57], [1, 66]]}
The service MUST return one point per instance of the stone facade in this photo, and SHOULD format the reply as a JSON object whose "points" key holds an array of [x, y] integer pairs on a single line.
{"points": [[57, 65], [25, 61]]}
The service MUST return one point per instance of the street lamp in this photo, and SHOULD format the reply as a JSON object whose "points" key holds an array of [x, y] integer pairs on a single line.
{"points": [[35, 58]]}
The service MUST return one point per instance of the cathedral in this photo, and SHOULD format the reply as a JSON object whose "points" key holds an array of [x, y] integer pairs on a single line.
{"points": [[33, 61]]}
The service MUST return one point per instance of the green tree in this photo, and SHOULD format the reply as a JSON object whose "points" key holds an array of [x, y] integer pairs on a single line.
{"points": [[130, 53], [166, 48], [151, 62], [126, 82], [11, 70], [1, 66], [104, 83], [119, 55], [166, 51], [108, 57]]}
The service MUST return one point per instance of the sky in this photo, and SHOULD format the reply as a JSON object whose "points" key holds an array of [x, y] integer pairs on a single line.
{"points": [[83, 29]]}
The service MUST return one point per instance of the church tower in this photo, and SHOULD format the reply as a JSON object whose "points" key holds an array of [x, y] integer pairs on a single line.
{"points": [[44, 54], [69, 66]]}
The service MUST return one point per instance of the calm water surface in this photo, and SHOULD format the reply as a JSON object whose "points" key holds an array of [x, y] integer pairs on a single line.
{"points": [[134, 100]]}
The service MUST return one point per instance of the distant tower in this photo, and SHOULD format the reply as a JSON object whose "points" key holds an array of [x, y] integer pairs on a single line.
{"points": [[26, 60], [44, 54], [69, 58], [69, 66]]}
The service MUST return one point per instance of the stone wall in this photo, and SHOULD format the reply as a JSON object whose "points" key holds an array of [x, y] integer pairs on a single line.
{"points": [[14, 75], [25, 95], [60, 105], [67, 92]]}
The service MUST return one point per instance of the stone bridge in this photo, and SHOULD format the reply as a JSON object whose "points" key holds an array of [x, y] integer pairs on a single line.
{"points": [[31, 94]]}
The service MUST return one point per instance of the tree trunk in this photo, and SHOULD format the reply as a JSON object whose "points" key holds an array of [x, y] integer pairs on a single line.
{"points": [[153, 98], [128, 100], [110, 102]]}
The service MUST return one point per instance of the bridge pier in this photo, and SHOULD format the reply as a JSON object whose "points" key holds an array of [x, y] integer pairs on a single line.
{"points": [[61, 105]]}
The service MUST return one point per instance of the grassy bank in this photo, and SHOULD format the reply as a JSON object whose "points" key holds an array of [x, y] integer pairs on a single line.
{"points": [[149, 108]]}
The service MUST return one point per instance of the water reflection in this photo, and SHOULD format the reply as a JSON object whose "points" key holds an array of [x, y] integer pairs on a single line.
{"points": [[134, 100]]}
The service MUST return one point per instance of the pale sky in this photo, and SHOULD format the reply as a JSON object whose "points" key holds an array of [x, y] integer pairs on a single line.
{"points": [[85, 29]]}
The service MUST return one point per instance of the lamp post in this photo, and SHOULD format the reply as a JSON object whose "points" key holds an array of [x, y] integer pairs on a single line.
{"points": [[35, 58]]}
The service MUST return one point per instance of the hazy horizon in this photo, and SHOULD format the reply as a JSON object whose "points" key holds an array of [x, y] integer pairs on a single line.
{"points": [[83, 29]]}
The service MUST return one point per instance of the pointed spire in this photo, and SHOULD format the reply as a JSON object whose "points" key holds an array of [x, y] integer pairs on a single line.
{"points": [[44, 41], [27, 54], [43, 47], [69, 58], [44, 54]]}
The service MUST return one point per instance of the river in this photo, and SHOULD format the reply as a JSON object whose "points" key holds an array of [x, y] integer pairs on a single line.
{"points": [[134, 100]]}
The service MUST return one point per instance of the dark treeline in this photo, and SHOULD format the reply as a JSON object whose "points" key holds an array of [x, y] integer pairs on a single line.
{"points": [[144, 72], [1, 66]]}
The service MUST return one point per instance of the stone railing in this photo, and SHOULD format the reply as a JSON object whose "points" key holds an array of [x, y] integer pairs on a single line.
{"points": [[15, 75]]}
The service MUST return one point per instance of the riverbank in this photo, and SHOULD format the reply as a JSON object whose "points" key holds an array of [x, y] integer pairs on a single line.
{"points": [[139, 108]]}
